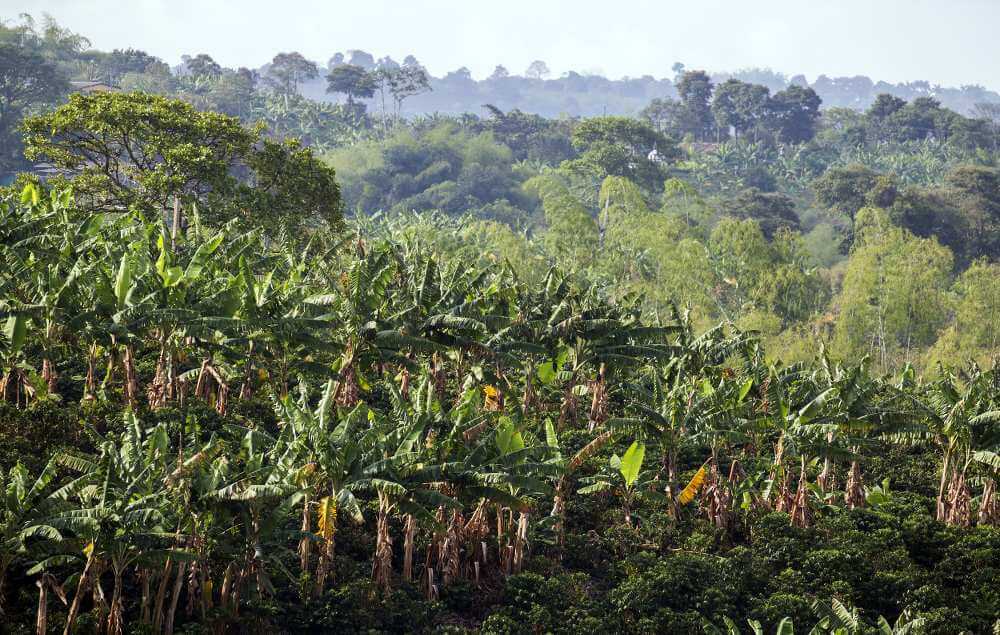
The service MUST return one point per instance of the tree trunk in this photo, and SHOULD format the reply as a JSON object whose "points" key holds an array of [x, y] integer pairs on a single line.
{"points": [[942, 508], [989, 505], [959, 501], [227, 585], [329, 545], [825, 480], [175, 224], [131, 378], [115, 616], [529, 401], [81, 588], [567, 411], [49, 376], [800, 505], [161, 595], [559, 514], [599, 403], [854, 494], [521, 542], [168, 626], [144, 616], [100, 602], [305, 543], [42, 618], [246, 390], [449, 553], [158, 392], [323, 566], [670, 458], [382, 565], [408, 537]]}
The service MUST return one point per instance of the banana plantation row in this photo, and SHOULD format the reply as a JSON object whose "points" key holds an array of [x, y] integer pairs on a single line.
{"points": [[447, 406]]}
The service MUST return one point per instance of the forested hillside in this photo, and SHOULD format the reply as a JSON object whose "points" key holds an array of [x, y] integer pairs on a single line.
{"points": [[537, 90], [272, 364]]}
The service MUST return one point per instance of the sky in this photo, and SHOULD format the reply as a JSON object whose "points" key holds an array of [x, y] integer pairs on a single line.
{"points": [[946, 42]]}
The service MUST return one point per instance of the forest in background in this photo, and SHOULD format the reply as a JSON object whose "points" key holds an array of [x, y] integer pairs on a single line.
{"points": [[874, 231], [276, 364], [537, 90]]}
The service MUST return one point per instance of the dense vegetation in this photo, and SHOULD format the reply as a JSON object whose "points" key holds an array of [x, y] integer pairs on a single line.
{"points": [[730, 364]]}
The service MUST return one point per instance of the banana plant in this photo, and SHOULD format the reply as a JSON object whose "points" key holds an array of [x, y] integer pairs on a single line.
{"points": [[175, 296], [625, 475], [332, 455], [24, 510], [116, 512], [963, 419]]}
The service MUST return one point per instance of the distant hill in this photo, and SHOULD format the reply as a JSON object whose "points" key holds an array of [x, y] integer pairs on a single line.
{"points": [[575, 94]]}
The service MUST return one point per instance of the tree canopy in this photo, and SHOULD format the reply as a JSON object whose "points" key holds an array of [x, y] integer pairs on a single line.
{"points": [[135, 151]]}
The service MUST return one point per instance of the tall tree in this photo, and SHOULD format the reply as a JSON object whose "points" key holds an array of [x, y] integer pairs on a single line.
{"points": [[27, 80], [794, 113], [893, 300], [695, 89], [352, 81], [622, 146], [202, 65], [288, 70], [121, 161], [537, 70], [740, 105], [122, 61], [845, 189], [406, 82], [772, 211]]}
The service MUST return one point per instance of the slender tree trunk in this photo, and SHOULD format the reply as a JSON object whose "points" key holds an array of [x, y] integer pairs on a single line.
{"points": [[942, 511], [305, 544], [161, 595], [131, 378], [449, 549], [49, 375], [246, 390], [854, 490], [168, 626], [175, 225], [521, 542], [559, 514], [227, 585], [144, 575], [408, 537], [670, 458], [99, 599], [602, 226], [989, 505], [115, 617], [382, 565], [329, 545], [826, 478], [156, 394], [42, 618], [800, 505], [599, 403], [81, 588], [206, 593], [89, 391]]}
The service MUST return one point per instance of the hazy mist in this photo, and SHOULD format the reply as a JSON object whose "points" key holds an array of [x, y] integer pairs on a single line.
{"points": [[891, 40]]}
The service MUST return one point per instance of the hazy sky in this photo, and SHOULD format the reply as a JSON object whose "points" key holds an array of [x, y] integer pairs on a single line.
{"points": [[951, 42]]}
